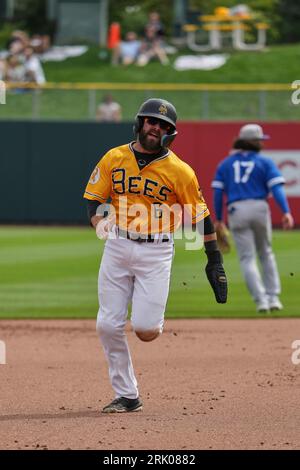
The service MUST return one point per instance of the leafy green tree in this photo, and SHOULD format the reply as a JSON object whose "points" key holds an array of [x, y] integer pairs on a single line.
{"points": [[133, 14], [289, 24], [31, 16]]}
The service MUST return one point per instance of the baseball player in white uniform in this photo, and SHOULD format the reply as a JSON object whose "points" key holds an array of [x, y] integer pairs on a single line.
{"points": [[144, 180], [247, 177]]}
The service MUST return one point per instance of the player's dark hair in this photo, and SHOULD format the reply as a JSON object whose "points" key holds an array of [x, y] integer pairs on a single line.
{"points": [[241, 144]]}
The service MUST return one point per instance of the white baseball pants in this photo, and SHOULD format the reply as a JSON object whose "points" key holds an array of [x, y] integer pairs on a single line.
{"points": [[137, 272]]}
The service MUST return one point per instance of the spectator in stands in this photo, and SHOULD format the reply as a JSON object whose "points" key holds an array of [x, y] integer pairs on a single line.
{"points": [[15, 69], [126, 51], [17, 42], [152, 48], [40, 43], [33, 69], [156, 24], [109, 110], [130, 48], [152, 45]]}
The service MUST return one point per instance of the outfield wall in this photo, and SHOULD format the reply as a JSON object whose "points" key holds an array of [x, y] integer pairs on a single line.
{"points": [[44, 166], [205, 144]]}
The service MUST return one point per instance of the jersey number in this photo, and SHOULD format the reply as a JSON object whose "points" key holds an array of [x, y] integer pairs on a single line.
{"points": [[157, 210], [241, 176]]}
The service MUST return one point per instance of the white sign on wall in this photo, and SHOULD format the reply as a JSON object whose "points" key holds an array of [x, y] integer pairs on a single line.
{"points": [[288, 162]]}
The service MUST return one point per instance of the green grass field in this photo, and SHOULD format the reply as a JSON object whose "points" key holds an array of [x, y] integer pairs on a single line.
{"points": [[52, 273], [276, 64], [191, 105]]}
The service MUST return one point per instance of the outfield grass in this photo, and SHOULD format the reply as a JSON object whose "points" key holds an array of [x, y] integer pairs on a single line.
{"points": [[191, 105], [52, 273], [277, 64]]}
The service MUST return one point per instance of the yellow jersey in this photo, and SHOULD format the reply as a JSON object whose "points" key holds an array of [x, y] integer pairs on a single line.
{"points": [[148, 200]]}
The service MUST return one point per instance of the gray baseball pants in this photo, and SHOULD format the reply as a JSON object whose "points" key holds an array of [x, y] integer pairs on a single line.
{"points": [[251, 227]]}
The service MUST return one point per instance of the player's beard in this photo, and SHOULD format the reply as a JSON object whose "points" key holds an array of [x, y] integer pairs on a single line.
{"points": [[149, 144]]}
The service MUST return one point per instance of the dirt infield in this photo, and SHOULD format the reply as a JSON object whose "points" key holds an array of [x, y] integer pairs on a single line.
{"points": [[205, 384]]}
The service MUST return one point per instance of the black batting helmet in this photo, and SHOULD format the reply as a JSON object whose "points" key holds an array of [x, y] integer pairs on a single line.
{"points": [[160, 109]]}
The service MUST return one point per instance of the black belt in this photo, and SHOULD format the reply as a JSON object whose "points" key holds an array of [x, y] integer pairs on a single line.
{"points": [[141, 239]]}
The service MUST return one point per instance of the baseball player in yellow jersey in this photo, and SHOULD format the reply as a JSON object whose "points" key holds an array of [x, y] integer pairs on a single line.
{"points": [[147, 184]]}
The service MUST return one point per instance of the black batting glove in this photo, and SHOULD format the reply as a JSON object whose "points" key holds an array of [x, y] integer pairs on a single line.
{"points": [[216, 275]]}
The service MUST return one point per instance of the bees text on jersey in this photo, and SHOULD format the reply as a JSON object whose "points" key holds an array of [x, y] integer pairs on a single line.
{"points": [[154, 193]]}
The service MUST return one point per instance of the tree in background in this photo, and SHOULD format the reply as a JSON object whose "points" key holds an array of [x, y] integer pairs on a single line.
{"points": [[289, 23], [282, 15], [133, 14], [31, 16]]}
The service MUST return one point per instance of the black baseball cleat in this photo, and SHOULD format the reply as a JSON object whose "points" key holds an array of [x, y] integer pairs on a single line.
{"points": [[123, 405]]}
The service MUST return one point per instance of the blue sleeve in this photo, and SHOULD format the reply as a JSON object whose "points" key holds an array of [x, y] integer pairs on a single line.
{"points": [[273, 175], [280, 198], [219, 181], [218, 203]]}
